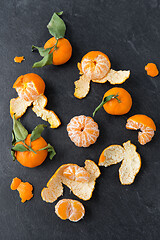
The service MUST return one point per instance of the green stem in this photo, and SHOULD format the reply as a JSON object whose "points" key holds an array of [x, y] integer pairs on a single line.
{"points": [[55, 46], [43, 148], [29, 147], [105, 100]]}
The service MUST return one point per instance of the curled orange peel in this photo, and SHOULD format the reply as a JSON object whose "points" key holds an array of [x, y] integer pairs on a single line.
{"points": [[82, 189]]}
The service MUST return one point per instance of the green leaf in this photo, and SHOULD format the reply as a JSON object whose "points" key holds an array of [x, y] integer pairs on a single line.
{"points": [[19, 131], [42, 51], [13, 138], [59, 13], [20, 148], [37, 131], [47, 60], [105, 100], [56, 26], [13, 155]]}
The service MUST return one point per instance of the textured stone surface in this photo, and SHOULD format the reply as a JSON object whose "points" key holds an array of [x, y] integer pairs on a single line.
{"points": [[128, 32]]}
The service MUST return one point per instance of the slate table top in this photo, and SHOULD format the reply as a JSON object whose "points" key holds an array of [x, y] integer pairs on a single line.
{"points": [[129, 33]]}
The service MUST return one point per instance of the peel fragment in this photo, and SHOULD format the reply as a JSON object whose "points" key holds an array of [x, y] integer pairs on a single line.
{"points": [[18, 106], [83, 189], [19, 59], [82, 87], [131, 161]]}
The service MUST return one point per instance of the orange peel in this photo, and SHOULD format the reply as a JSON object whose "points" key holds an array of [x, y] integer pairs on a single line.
{"points": [[82, 189], [95, 67], [19, 59], [131, 161], [24, 188]]}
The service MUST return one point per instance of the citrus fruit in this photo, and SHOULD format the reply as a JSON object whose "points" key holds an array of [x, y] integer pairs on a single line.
{"points": [[145, 124], [29, 86], [70, 209], [95, 66], [151, 69], [24, 188], [63, 52], [83, 131], [131, 161], [79, 187], [29, 158], [114, 107]]}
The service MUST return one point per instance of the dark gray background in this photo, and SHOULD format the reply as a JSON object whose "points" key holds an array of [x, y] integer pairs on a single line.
{"points": [[128, 32]]}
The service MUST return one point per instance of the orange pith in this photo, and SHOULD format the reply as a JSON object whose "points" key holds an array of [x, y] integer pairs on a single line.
{"points": [[146, 126], [63, 52], [30, 159], [29, 86], [95, 65], [70, 209], [83, 131], [114, 107], [151, 69], [24, 188], [76, 173]]}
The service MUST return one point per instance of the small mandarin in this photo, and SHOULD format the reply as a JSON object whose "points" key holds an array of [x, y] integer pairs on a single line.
{"points": [[63, 52], [114, 107], [30, 159]]}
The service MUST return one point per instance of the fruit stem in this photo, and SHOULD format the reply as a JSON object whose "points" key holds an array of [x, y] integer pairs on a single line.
{"points": [[29, 148], [105, 100]]}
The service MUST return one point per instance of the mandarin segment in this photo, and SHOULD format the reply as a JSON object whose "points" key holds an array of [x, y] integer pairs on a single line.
{"points": [[82, 189], [76, 173], [145, 124], [70, 209], [83, 131]]}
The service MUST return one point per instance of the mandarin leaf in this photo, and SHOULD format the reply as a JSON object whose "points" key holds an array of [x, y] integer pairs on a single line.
{"points": [[37, 131], [42, 51], [56, 26], [20, 148], [19, 131], [13, 155], [47, 60]]}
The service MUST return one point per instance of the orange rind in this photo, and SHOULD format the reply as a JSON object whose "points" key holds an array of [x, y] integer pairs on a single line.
{"points": [[131, 161], [70, 209], [18, 106], [24, 188], [152, 69], [82, 189], [95, 66], [145, 124], [19, 59]]}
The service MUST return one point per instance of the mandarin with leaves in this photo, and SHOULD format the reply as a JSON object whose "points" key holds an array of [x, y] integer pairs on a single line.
{"points": [[30, 150], [57, 50], [116, 101]]}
